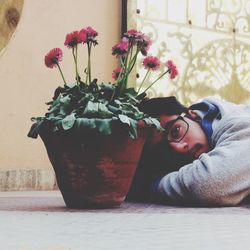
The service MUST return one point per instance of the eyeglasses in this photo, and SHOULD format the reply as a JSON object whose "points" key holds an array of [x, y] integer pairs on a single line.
{"points": [[176, 129]]}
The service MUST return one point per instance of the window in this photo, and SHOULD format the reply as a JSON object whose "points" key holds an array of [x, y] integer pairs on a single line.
{"points": [[209, 40]]}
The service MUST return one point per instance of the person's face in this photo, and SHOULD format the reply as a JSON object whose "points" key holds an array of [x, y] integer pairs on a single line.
{"points": [[193, 144]]}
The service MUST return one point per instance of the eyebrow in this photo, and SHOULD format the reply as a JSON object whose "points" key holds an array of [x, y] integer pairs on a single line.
{"points": [[168, 124]]}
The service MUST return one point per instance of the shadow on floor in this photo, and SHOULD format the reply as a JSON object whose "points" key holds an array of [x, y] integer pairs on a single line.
{"points": [[54, 203]]}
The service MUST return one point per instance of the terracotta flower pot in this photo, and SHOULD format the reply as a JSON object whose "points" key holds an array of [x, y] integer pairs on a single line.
{"points": [[93, 170]]}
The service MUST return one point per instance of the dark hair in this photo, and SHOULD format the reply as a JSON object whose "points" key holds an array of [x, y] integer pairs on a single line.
{"points": [[162, 105]]}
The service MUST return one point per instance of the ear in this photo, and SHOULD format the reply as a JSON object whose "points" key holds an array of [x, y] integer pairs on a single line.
{"points": [[194, 115]]}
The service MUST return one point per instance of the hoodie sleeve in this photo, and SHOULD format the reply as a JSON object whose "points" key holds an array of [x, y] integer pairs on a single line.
{"points": [[220, 177]]}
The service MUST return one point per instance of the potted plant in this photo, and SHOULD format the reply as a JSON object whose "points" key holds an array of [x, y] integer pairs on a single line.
{"points": [[94, 133]]}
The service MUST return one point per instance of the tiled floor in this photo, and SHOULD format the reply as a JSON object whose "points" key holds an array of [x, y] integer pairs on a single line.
{"points": [[40, 221]]}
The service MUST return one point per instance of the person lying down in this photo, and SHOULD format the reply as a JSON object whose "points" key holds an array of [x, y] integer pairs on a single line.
{"points": [[201, 159]]}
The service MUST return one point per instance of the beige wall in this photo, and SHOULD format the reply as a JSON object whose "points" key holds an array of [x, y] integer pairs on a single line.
{"points": [[26, 84]]}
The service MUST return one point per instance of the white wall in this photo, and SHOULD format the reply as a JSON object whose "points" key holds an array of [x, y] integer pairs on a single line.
{"points": [[26, 84]]}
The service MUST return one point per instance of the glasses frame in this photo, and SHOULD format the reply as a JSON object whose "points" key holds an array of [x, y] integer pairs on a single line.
{"points": [[169, 124]]}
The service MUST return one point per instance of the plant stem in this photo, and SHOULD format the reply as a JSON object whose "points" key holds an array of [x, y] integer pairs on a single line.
{"points": [[75, 60], [112, 96], [167, 71], [122, 71], [126, 64], [89, 63], [130, 56], [129, 67], [86, 72], [78, 77], [143, 80], [133, 61], [61, 72]]}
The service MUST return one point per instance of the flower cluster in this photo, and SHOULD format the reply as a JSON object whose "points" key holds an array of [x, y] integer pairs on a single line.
{"points": [[84, 36], [132, 43], [88, 105]]}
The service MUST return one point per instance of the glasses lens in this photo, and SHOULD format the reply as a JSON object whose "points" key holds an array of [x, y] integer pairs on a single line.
{"points": [[177, 130]]}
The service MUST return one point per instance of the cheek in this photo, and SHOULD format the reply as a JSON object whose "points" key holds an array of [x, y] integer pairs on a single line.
{"points": [[197, 133], [176, 147]]}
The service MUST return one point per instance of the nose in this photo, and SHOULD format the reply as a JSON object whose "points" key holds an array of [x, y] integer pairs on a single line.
{"points": [[180, 147]]}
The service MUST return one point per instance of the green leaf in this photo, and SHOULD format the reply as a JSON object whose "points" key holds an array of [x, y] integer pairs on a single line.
{"points": [[56, 102], [114, 109], [131, 91], [37, 119], [59, 90], [153, 122], [117, 102], [97, 109], [104, 126], [65, 105], [128, 113], [54, 118], [141, 96], [82, 123], [107, 87], [133, 128], [68, 121], [124, 119], [71, 85], [35, 129], [54, 108], [91, 108], [104, 111]]}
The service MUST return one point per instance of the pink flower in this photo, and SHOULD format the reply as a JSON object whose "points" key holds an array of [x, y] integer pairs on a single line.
{"points": [[145, 44], [83, 36], [139, 39], [172, 69], [53, 57], [121, 48], [73, 38], [90, 35], [91, 32], [134, 34], [151, 62], [134, 37], [117, 72]]}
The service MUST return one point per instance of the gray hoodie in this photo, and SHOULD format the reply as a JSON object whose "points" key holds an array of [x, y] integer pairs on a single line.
{"points": [[220, 177]]}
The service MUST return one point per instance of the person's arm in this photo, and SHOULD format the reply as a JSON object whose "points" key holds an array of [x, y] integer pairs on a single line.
{"points": [[218, 178], [156, 160]]}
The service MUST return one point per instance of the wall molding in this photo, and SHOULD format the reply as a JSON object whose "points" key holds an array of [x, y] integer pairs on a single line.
{"points": [[27, 179]]}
